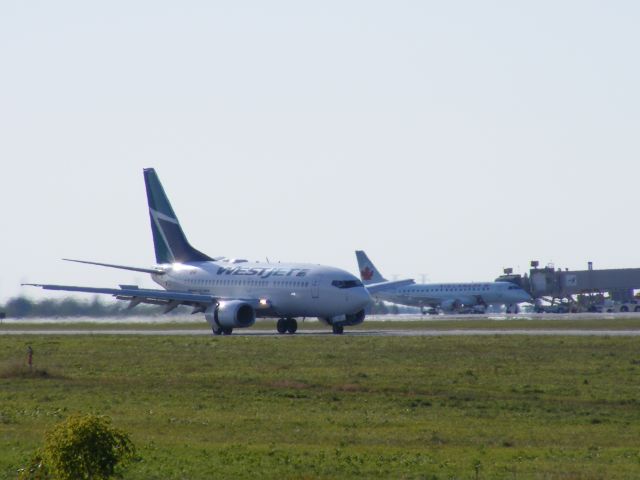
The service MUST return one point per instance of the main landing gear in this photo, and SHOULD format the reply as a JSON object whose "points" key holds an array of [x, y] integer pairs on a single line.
{"points": [[222, 330], [338, 329], [287, 325]]}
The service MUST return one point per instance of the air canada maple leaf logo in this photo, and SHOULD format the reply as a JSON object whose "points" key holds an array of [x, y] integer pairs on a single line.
{"points": [[366, 274]]}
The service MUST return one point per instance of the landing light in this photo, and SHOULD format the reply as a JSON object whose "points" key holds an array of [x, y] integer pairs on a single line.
{"points": [[264, 302]]}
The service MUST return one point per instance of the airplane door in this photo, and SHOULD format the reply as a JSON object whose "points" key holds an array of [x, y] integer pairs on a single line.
{"points": [[315, 289]]}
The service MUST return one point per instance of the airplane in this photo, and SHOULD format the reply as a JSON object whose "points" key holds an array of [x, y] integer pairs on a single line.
{"points": [[232, 293], [448, 297]]}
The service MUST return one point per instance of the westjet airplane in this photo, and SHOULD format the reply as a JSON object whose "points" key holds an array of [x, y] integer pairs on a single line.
{"points": [[448, 297], [233, 292]]}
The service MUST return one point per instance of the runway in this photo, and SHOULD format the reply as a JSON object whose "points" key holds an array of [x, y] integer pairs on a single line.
{"points": [[355, 333]]}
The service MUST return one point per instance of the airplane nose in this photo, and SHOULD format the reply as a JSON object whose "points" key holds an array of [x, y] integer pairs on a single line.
{"points": [[361, 298]]}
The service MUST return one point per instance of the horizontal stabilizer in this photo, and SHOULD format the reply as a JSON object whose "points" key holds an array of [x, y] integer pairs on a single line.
{"points": [[157, 271], [382, 286]]}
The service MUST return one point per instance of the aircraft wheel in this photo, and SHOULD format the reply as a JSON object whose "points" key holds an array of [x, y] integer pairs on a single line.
{"points": [[338, 329], [292, 325], [217, 330], [281, 326], [227, 330], [637, 309]]}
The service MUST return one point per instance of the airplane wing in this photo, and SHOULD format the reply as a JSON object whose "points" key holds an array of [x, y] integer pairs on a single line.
{"points": [[387, 285], [169, 298]]}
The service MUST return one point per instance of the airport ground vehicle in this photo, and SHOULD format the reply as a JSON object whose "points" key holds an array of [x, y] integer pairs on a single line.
{"points": [[616, 307], [597, 304]]}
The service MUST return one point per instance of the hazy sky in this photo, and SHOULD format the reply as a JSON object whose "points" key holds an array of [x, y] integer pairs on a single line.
{"points": [[450, 139]]}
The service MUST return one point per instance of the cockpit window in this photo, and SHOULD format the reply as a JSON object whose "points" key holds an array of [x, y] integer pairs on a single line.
{"points": [[346, 283]]}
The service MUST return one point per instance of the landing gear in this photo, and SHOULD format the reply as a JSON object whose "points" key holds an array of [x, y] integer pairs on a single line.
{"points": [[281, 326], [287, 325], [222, 330], [292, 325], [513, 308], [338, 329]]}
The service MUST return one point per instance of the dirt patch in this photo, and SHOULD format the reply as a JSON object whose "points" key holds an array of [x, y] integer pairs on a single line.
{"points": [[289, 384], [17, 370], [350, 387]]}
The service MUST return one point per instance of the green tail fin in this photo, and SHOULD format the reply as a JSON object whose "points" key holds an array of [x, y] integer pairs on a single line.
{"points": [[170, 243]]}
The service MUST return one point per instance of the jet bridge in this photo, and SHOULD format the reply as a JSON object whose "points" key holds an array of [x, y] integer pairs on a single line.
{"points": [[548, 281]]}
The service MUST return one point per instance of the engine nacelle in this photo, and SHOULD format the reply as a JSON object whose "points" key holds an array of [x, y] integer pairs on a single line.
{"points": [[232, 313], [346, 320], [450, 305]]}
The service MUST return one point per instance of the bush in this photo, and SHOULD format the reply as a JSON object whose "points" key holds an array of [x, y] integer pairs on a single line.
{"points": [[81, 447], [36, 470]]}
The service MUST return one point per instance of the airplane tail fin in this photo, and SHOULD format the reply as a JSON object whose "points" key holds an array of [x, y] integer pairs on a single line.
{"points": [[368, 272], [170, 243]]}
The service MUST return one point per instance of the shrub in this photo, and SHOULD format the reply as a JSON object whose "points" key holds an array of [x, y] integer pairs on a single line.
{"points": [[81, 447], [36, 470]]}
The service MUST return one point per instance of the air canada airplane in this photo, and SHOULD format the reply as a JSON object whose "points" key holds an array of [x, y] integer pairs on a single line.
{"points": [[233, 292], [448, 297]]}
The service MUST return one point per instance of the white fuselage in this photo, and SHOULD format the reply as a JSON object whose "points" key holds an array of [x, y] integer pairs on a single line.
{"points": [[450, 295], [283, 289]]}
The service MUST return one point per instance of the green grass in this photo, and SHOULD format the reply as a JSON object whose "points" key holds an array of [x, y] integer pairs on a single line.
{"points": [[432, 323], [336, 407]]}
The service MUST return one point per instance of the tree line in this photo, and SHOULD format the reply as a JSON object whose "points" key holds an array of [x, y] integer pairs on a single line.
{"points": [[24, 307]]}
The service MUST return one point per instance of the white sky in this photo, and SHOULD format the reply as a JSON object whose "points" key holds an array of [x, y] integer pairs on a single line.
{"points": [[444, 138]]}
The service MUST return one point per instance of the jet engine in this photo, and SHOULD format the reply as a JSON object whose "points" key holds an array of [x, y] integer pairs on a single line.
{"points": [[231, 314], [450, 305]]}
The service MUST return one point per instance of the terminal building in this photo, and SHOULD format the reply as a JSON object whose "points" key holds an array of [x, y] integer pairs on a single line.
{"points": [[577, 286]]}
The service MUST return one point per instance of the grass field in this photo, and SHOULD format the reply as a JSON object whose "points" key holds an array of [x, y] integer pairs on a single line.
{"points": [[380, 323], [337, 407]]}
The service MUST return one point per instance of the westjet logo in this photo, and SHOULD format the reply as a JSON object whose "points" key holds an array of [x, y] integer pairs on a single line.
{"points": [[264, 272]]}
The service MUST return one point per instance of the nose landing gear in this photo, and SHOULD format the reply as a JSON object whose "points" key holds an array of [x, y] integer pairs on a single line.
{"points": [[222, 330]]}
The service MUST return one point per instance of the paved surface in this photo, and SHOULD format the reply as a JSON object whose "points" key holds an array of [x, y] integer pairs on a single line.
{"points": [[358, 333]]}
